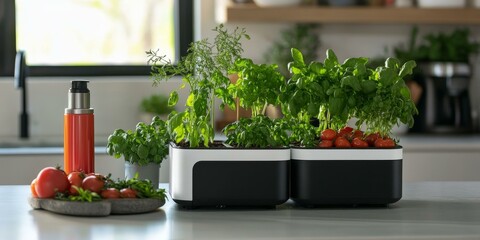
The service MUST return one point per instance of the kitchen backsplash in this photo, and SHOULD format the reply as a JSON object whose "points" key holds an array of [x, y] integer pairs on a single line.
{"points": [[116, 102]]}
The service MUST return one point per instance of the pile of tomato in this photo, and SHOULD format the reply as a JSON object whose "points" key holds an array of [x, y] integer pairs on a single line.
{"points": [[348, 137], [51, 181]]}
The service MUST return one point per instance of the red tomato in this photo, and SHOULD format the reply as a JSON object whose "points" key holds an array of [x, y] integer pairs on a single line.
{"points": [[32, 188], [326, 144], [371, 138], [346, 129], [94, 183], [384, 143], [342, 142], [75, 179], [328, 134], [359, 143], [128, 193], [357, 134], [345, 132], [110, 193], [51, 180]]}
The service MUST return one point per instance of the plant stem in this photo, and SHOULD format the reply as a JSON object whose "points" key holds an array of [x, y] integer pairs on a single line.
{"points": [[264, 108], [237, 106]]}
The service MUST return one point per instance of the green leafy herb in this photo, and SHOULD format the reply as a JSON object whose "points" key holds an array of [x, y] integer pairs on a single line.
{"points": [[257, 85], [148, 143], [335, 92], [144, 188], [257, 132], [205, 70], [83, 196]]}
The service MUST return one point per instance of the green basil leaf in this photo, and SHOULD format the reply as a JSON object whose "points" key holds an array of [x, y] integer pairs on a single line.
{"points": [[407, 68], [336, 105], [368, 86], [317, 89], [297, 57], [173, 99], [300, 83], [387, 76], [352, 82], [351, 101], [331, 59], [405, 92], [313, 109], [392, 63], [317, 68], [142, 151], [190, 100]]}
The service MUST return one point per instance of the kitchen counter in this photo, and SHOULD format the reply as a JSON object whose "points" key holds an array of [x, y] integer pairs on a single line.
{"points": [[428, 210], [425, 142]]}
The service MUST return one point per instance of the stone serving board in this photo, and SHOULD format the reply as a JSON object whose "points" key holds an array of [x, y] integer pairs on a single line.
{"points": [[97, 208]]}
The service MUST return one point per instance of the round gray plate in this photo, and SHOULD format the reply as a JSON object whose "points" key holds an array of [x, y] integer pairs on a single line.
{"points": [[98, 208]]}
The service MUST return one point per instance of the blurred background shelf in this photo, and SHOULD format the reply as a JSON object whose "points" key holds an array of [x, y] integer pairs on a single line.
{"points": [[364, 15]]}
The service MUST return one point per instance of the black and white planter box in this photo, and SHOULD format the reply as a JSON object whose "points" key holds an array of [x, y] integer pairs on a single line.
{"points": [[229, 176], [346, 176]]}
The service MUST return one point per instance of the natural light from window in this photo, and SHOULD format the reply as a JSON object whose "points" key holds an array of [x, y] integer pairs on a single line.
{"points": [[94, 32]]}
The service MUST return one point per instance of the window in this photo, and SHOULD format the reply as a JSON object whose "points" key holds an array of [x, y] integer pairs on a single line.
{"points": [[92, 37]]}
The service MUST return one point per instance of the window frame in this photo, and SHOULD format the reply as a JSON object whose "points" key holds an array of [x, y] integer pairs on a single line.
{"points": [[183, 21]]}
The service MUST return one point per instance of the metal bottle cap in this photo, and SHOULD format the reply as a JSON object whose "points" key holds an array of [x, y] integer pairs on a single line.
{"points": [[79, 98]]}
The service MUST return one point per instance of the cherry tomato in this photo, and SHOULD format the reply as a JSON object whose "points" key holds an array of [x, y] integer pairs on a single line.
{"points": [[110, 193], [357, 134], [51, 180], [342, 142], [359, 143], [346, 129], [384, 143], [326, 144], [128, 193], [371, 138], [328, 134], [345, 132], [94, 183], [32, 188], [75, 179]]}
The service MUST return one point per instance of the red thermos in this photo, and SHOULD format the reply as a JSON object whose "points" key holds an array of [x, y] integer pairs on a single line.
{"points": [[79, 154]]}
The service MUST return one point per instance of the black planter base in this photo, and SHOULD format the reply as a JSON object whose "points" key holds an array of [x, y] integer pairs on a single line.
{"points": [[346, 182], [222, 184]]}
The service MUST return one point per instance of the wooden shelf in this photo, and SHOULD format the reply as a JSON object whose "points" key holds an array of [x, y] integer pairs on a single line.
{"points": [[367, 15]]}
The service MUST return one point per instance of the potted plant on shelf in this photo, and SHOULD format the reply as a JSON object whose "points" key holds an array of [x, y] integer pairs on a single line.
{"points": [[143, 149], [334, 164], [155, 105], [204, 172]]}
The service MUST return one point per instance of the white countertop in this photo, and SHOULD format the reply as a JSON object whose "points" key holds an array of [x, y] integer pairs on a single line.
{"points": [[428, 210]]}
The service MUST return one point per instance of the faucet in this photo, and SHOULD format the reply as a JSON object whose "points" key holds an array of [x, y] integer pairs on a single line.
{"points": [[20, 76]]}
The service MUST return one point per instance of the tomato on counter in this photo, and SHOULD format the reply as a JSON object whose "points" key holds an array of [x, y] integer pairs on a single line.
{"points": [[51, 180]]}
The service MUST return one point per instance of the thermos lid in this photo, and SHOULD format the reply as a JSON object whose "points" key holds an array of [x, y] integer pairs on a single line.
{"points": [[79, 86], [79, 98]]}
